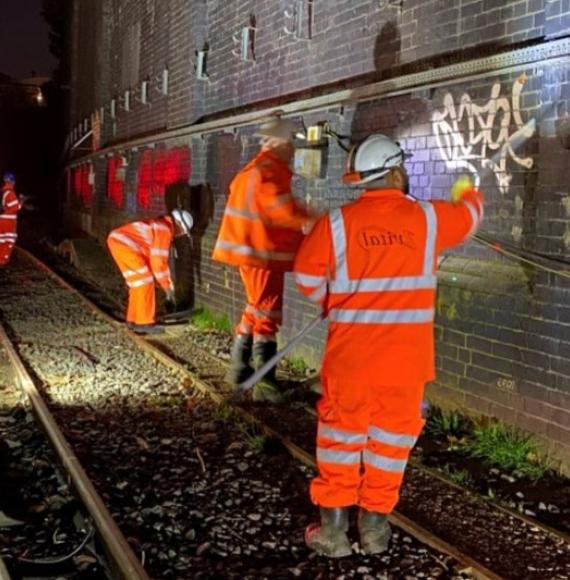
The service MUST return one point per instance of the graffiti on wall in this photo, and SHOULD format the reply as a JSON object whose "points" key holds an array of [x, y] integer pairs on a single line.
{"points": [[483, 138]]}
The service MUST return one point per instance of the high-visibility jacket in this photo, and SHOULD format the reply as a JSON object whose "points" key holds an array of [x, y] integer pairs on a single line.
{"points": [[9, 208], [262, 222], [151, 239], [372, 265]]}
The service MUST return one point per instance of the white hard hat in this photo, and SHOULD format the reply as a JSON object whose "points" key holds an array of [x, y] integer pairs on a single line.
{"points": [[277, 128], [183, 220], [372, 159]]}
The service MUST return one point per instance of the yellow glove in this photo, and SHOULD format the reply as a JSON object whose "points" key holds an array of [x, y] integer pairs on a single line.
{"points": [[460, 187]]}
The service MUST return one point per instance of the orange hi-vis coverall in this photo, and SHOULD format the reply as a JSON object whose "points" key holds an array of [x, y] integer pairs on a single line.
{"points": [[372, 265], [260, 233], [9, 208], [141, 250]]}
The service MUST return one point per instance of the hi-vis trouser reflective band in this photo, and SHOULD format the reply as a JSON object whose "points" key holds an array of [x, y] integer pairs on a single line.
{"points": [[361, 440], [342, 284]]}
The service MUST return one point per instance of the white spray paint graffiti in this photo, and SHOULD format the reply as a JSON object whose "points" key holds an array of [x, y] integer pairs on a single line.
{"points": [[468, 133]]}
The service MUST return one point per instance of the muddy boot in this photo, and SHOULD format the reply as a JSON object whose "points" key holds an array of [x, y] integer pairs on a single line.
{"points": [[329, 537], [268, 389], [375, 531], [240, 369]]}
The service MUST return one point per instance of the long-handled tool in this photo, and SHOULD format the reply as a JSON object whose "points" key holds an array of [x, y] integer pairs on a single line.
{"points": [[261, 372]]}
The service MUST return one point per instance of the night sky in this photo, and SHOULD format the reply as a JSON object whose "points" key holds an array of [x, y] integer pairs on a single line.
{"points": [[23, 39]]}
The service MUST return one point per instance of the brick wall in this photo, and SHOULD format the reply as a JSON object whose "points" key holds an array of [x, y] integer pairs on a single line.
{"points": [[503, 328]]}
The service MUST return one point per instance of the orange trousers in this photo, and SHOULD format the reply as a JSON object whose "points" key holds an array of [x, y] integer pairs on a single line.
{"points": [[366, 434], [264, 311], [139, 279], [8, 237]]}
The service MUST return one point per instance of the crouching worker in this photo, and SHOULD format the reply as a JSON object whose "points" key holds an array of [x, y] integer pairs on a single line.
{"points": [[141, 250], [260, 233], [372, 266]]}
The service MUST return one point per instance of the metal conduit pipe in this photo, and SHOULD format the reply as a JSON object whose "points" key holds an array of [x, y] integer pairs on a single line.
{"points": [[555, 52]]}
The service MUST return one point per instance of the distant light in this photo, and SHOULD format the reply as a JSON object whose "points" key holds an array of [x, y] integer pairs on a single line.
{"points": [[40, 97]]}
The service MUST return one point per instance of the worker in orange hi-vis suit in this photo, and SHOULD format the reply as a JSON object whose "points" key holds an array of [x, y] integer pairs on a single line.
{"points": [[372, 266], [9, 208], [141, 250], [260, 233]]}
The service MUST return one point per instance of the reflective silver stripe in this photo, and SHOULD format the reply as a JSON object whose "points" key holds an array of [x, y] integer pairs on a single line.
{"points": [[341, 436], [162, 275], [396, 439], [474, 217], [339, 243], [308, 280], [264, 313], [7, 216], [248, 251], [342, 457], [384, 463], [383, 316], [13, 203], [142, 282], [125, 240], [128, 273], [9, 235], [318, 294], [161, 227], [241, 213], [383, 284], [431, 232], [159, 252], [144, 230]]}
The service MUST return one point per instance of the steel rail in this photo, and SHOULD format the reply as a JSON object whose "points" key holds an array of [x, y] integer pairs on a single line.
{"points": [[479, 571], [554, 52], [123, 560]]}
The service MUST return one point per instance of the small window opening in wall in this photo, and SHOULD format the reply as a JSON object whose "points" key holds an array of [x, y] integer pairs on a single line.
{"points": [[201, 63], [144, 92], [86, 124], [245, 40], [102, 115], [165, 80], [127, 101], [113, 108], [300, 19]]}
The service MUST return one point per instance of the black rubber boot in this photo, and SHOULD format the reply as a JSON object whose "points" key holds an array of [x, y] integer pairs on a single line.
{"points": [[375, 531], [146, 329], [240, 369], [329, 537], [264, 350]]}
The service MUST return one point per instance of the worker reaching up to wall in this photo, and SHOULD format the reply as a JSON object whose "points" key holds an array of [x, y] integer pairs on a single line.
{"points": [[141, 250], [9, 207], [260, 233], [372, 266]]}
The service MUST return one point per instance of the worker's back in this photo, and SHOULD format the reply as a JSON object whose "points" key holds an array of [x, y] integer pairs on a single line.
{"points": [[381, 262]]}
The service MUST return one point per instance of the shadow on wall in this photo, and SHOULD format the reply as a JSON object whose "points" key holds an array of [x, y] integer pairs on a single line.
{"points": [[199, 201], [398, 117]]}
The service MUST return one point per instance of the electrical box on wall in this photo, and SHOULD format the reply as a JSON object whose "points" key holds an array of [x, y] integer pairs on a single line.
{"points": [[311, 158]]}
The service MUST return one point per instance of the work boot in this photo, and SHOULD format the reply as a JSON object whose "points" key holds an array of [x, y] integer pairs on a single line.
{"points": [[329, 537], [146, 329], [375, 531], [240, 369], [268, 389]]}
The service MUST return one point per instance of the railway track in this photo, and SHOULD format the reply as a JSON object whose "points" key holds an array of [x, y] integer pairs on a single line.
{"points": [[178, 394]]}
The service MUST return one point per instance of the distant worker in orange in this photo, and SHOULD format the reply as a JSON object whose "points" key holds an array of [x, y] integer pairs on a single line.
{"points": [[372, 266], [260, 233], [141, 250], [9, 207]]}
